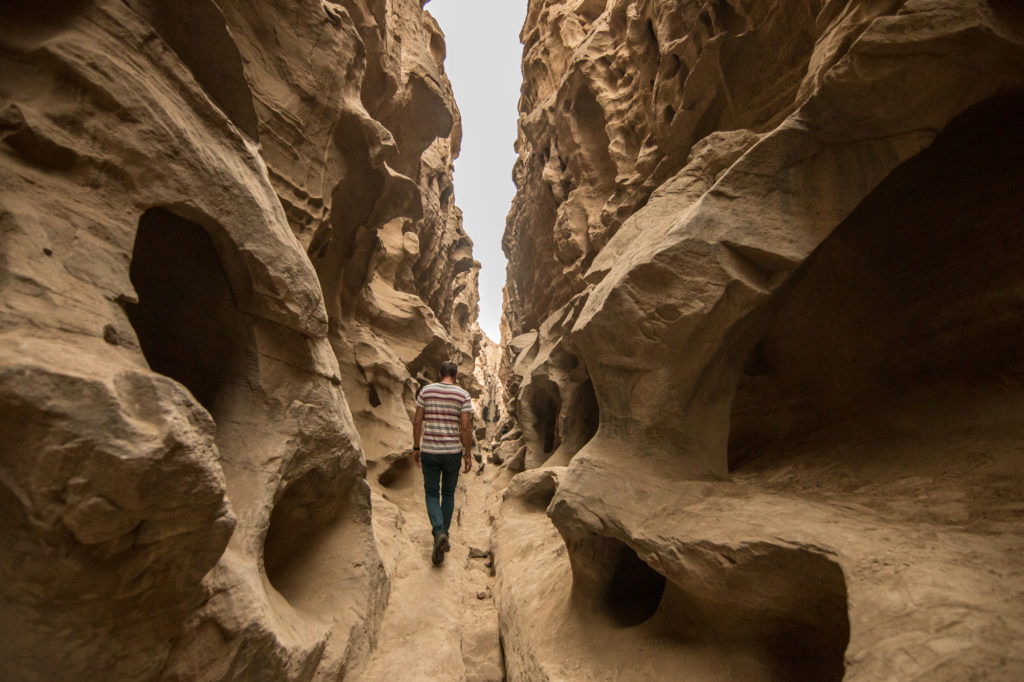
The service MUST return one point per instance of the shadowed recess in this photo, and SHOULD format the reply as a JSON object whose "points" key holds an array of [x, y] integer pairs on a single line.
{"points": [[545, 409], [396, 472], [540, 495], [311, 545], [26, 24], [779, 610], [918, 295], [582, 418], [635, 589], [186, 319], [197, 32]]}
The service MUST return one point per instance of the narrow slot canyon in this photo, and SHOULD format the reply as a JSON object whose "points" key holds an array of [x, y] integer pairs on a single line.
{"points": [[735, 289]]}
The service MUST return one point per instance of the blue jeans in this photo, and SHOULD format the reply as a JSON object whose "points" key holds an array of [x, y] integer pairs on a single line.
{"points": [[440, 476]]}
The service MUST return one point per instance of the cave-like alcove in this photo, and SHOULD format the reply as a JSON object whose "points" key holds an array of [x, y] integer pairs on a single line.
{"points": [[545, 406], [915, 299], [583, 416], [635, 589], [396, 473], [771, 610], [311, 542], [186, 319]]}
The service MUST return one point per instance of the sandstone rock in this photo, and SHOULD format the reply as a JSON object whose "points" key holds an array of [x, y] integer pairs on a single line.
{"points": [[766, 236], [222, 225], [489, 408]]}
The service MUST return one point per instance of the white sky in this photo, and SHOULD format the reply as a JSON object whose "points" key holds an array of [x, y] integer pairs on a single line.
{"points": [[483, 65]]}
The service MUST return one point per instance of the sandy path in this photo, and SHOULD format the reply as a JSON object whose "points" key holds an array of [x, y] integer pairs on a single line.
{"points": [[440, 622]]}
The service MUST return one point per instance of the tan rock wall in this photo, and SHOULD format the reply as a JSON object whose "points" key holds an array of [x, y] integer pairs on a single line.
{"points": [[732, 258], [229, 249]]}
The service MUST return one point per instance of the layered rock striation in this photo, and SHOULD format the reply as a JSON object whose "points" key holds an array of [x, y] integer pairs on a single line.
{"points": [[228, 252], [763, 294]]}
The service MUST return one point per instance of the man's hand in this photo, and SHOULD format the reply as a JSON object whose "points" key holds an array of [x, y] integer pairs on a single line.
{"points": [[416, 456], [467, 462]]}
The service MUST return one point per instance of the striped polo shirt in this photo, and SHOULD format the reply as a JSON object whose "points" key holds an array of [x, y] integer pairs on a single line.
{"points": [[442, 406]]}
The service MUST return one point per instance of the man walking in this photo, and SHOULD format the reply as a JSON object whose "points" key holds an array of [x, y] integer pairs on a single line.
{"points": [[443, 427]]}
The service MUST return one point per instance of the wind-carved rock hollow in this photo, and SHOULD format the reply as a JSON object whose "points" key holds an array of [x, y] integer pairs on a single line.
{"points": [[755, 414]]}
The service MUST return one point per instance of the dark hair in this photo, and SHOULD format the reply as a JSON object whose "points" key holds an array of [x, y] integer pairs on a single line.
{"points": [[449, 369]]}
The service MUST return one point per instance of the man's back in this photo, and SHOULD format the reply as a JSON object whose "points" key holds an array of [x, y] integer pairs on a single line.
{"points": [[443, 405]]}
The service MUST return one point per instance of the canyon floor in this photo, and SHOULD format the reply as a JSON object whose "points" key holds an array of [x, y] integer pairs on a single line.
{"points": [[441, 622], [929, 576]]}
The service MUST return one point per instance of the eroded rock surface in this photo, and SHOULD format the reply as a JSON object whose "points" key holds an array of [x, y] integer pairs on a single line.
{"points": [[763, 300], [228, 250]]}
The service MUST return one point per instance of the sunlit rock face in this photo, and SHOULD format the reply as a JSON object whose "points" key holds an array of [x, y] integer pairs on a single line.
{"points": [[763, 302], [228, 249]]}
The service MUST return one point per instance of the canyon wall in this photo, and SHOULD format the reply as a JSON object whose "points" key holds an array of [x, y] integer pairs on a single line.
{"points": [[229, 253], [762, 326]]}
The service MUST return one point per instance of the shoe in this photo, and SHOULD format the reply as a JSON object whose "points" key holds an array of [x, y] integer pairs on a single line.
{"points": [[446, 546], [438, 554]]}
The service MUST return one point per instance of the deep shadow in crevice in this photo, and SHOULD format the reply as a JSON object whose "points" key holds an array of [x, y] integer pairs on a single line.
{"points": [[188, 325], [395, 473], [545, 406], [917, 297], [582, 418], [373, 397], [635, 590]]}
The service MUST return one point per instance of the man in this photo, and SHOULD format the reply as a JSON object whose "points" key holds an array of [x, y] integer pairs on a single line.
{"points": [[443, 427]]}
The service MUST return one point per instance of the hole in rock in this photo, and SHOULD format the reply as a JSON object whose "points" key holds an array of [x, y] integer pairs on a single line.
{"points": [[395, 473], [545, 406], [461, 316], [311, 544], [705, 18], [582, 419], [635, 589], [727, 17], [910, 313], [186, 319], [373, 396]]}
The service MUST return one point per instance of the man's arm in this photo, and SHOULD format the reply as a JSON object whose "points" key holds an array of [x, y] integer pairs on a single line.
{"points": [[417, 434], [467, 441]]}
